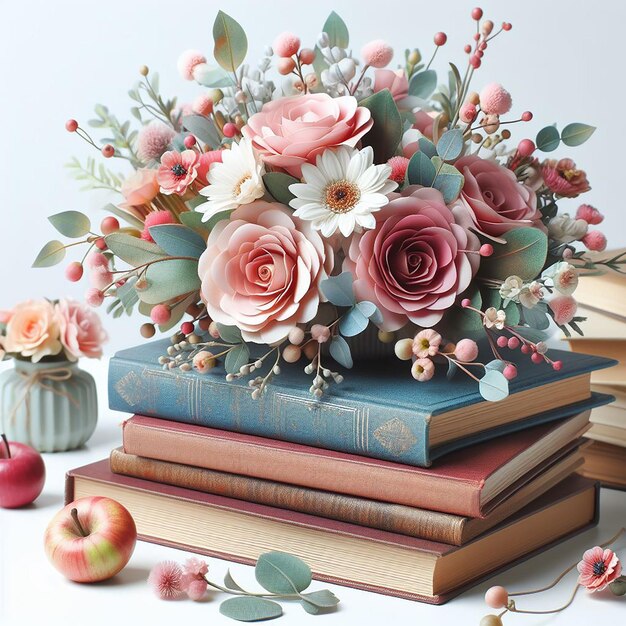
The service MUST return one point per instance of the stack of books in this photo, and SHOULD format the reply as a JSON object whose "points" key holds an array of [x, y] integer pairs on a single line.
{"points": [[602, 301], [417, 491]]}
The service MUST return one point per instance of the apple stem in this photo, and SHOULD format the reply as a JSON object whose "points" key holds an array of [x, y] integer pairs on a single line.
{"points": [[81, 530], [6, 445]]}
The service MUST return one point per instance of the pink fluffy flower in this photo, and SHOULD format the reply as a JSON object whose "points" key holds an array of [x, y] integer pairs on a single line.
{"points": [[466, 350], [100, 276], [261, 271], [495, 100], [291, 131], [155, 218], [153, 140], [178, 170], [97, 259], [598, 568], [590, 214], [187, 61], [426, 343], [562, 178], [140, 188], [203, 104], [595, 241], [415, 262], [166, 580], [377, 53], [193, 581], [396, 81], [94, 297], [563, 309], [398, 165], [495, 199], [81, 330]]}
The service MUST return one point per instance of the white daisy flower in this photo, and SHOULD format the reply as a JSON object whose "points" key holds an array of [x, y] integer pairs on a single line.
{"points": [[342, 190], [237, 180]]}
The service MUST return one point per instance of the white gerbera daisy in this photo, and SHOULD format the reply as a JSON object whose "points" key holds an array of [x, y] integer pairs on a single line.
{"points": [[342, 190], [237, 180]]}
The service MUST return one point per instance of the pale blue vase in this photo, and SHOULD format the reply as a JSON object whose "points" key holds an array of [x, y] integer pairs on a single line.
{"points": [[50, 406]]}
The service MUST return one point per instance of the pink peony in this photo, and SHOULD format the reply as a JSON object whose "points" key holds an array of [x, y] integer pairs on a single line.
{"points": [[415, 262], [81, 331], [598, 568], [261, 271], [140, 188], [395, 81], [153, 140], [178, 170], [291, 131], [155, 219], [562, 178], [494, 198]]}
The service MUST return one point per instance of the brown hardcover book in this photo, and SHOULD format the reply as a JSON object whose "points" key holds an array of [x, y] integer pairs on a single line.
{"points": [[337, 552], [606, 463], [471, 482], [396, 518]]}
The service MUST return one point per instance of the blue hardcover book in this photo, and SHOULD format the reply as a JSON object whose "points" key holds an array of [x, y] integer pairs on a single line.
{"points": [[378, 411]]}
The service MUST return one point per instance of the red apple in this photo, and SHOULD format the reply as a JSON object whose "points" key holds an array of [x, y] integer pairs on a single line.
{"points": [[22, 474], [91, 539]]}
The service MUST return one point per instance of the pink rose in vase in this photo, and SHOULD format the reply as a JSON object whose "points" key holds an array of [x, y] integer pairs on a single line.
{"points": [[81, 330]]}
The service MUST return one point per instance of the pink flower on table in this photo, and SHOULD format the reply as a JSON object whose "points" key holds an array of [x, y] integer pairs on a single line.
{"points": [[166, 580], [562, 178], [494, 198], [81, 330], [598, 568], [140, 188], [396, 81], [261, 271], [33, 331], [178, 170], [193, 581], [415, 262], [291, 131]]}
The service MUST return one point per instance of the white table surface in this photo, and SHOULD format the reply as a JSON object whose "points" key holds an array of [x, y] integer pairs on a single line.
{"points": [[32, 592]]}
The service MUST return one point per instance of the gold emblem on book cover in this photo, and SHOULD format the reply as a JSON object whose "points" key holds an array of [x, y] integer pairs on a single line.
{"points": [[395, 436], [131, 388]]}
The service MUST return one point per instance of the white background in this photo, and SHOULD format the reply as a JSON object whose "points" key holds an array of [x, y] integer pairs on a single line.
{"points": [[563, 60]]}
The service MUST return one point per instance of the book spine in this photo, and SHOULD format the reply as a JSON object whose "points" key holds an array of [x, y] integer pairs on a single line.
{"points": [[378, 430], [352, 476]]}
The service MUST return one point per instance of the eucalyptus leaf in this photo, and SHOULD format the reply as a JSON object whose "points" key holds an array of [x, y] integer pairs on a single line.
{"points": [[229, 582], [353, 323], [420, 170], [169, 279], [448, 180], [231, 43], [453, 368], [277, 183], [532, 334], [51, 254], [280, 572], [450, 145], [250, 609], [427, 147], [324, 598], [133, 250], [386, 133], [537, 317], [338, 289], [423, 84], [371, 311], [214, 77], [548, 139], [230, 334], [340, 351], [203, 129], [193, 219], [337, 31], [493, 386], [460, 321], [128, 295], [576, 134], [72, 224], [496, 364], [178, 240], [236, 358]]}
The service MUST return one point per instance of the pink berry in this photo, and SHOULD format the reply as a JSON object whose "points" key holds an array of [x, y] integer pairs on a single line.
{"points": [[74, 271], [506, 26], [536, 358], [501, 341], [71, 126], [229, 130], [109, 225], [466, 302], [526, 147], [483, 45], [510, 372], [286, 44], [187, 328], [476, 37], [497, 597], [595, 240], [108, 151], [486, 249], [100, 243], [513, 343], [525, 348], [307, 56], [94, 297], [440, 39], [475, 61], [557, 365], [467, 48], [160, 314], [477, 13], [527, 116], [467, 113], [189, 141], [480, 54], [285, 66]]}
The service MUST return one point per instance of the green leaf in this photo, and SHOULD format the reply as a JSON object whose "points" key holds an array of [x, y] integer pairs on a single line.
{"points": [[51, 254], [127, 294], [236, 358], [203, 129], [250, 609], [353, 323], [524, 255], [169, 279], [423, 84], [370, 310], [280, 572], [448, 180], [231, 43], [212, 77], [386, 133], [450, 145], [178, 240], [338, 289], [460, 321], [576, 134], [133, 250], [420, 170], [427, 147], [340, 351], [324, 599], [193, 219], [496, 364], [230, 334], [72, 224], [536, 317], [277, 183], [493, 386], [548, 139], [337, 31], [229, 582]]}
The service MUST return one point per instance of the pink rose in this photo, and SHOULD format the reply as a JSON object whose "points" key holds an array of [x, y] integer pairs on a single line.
{"points": [[414, 264], [291, 131], [33, 331], [496, 201], [395, 81], [81, 331], [261, 271], [140, 188]]}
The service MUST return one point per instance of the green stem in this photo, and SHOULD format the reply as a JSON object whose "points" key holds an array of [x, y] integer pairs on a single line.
{"points": [[249, 593]]}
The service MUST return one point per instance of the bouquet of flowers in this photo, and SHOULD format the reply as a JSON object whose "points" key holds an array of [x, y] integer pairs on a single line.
{"points": [[319, 195]]}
